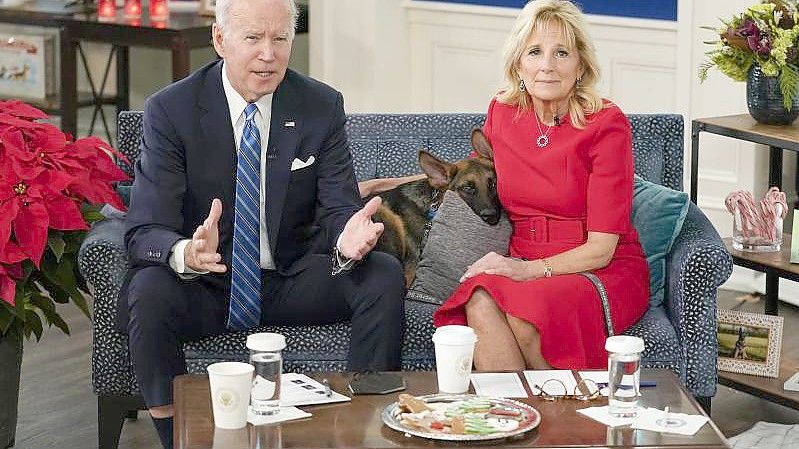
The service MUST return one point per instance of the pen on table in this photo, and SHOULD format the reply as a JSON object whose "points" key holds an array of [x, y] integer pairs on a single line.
{"points": [[643, 384], [328, 391]]}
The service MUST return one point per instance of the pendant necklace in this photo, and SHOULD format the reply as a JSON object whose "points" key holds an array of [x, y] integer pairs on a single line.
{"points": [[543, 137]]}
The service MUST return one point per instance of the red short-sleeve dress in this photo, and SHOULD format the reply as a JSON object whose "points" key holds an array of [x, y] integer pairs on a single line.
{"points": [[581, 181]]}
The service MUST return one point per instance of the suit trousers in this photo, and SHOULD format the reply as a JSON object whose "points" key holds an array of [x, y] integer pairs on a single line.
{"points": [[166, 311]]}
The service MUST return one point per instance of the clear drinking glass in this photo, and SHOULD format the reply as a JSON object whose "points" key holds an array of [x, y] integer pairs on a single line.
{"points": [[624, 374], [746, 238], [265, 355]]}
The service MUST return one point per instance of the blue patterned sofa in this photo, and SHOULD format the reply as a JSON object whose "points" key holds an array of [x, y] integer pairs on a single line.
{"points": [[680, 335]]}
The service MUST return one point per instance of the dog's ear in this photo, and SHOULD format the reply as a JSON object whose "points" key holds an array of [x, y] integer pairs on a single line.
{"points": [[481, 145], [439, 172]]}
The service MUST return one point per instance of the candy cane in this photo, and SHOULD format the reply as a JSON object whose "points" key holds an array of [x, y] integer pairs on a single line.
{"points": [[758, 220], [774, 206]]}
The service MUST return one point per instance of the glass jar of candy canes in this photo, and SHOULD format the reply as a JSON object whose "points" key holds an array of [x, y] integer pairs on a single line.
{"points": [[757, 227]]}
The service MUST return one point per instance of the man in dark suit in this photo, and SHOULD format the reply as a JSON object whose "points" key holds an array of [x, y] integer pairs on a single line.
{"points": [[242, 163]]}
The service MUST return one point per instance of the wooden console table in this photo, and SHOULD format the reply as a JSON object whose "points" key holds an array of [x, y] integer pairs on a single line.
{"points": [[775, 265], [180, 34]]}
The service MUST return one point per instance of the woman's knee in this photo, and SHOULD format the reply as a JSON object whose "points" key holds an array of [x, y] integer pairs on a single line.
{"points": [[481, 303], [524, 331]]}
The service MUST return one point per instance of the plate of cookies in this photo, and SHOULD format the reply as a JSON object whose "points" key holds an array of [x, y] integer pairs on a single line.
{"points": [[460, 417]]}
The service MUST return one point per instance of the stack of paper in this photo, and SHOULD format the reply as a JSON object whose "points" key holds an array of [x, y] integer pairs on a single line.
{"points": [[498, 385], [299, 389]]}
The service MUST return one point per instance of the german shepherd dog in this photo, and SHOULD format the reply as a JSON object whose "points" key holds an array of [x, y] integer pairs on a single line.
{"points": [[408, 209]]}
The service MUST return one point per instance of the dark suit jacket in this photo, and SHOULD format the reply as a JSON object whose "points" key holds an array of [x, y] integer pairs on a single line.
{"points": [[188, 157]]}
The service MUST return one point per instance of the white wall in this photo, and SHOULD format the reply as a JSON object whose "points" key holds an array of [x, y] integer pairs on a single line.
{"points": [[409, 56]]}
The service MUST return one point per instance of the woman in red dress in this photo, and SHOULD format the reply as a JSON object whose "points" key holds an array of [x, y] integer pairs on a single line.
{"points": [[564, 165]]}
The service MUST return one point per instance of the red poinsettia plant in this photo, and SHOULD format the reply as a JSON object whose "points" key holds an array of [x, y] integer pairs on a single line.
{"points": [[51, 187]]}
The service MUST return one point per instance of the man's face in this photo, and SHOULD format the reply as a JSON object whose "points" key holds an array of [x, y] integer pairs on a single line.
{"points": [[256, 46]]}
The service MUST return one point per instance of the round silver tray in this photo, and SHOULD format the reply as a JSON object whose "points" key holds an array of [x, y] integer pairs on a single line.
{"points": [[531, 418]]}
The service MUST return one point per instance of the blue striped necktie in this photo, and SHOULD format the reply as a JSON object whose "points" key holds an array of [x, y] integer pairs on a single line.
{"points": [[245, 289]]}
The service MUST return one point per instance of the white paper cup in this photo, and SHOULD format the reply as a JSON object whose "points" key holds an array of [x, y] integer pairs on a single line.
{"points": [[230, 393], [454, 351], [231, 439]]}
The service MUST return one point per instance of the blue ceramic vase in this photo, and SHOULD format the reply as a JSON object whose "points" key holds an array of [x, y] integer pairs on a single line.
{"points": [[764, 99]]}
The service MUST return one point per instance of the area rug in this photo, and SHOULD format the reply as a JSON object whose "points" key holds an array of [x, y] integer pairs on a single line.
{"points": [[766, 435]]}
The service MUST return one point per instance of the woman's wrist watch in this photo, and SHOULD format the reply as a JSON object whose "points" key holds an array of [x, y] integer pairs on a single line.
{"points": [[547, 268]]}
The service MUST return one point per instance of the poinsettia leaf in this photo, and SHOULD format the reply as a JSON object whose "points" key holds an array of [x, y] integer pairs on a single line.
{"points": [[7, 289], [55, 319], [58, 294], [7, 316], [20, 109], [66, 275], [64, 213], [61, 282], [73, 241], [42, 302], [34, 322], [93, 216], [30, 230], [47, 308], [55, 241]]}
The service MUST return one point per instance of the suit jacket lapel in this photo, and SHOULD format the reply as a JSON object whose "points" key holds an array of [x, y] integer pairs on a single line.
{"points": [[218, 131], [281, 150]]}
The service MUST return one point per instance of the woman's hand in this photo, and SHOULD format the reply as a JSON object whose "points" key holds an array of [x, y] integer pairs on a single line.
{"points": [[493, 263]]}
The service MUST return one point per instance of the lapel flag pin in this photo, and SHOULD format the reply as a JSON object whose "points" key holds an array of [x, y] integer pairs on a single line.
{"points": [[289, 124]]}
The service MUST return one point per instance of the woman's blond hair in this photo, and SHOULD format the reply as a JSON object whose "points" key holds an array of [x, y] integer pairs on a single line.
{"points": [[542, 15]]}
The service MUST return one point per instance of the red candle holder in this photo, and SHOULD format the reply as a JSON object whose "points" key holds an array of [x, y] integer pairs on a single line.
{"points": [[106, 10], [159, 11], [132, 9]]}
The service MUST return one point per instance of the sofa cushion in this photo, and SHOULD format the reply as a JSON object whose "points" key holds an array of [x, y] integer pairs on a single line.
{"points": [[318, 348], [457, 239], [657, 214]]}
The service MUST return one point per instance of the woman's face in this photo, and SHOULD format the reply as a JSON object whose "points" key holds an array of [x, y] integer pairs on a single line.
{"points": [[549, 67]]}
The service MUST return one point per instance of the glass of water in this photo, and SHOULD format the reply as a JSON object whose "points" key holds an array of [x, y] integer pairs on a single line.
{"points": [[266, 356], [624, 374]]}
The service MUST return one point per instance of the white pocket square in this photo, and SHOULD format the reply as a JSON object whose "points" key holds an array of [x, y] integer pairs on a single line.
{"points": [[297, 163]]}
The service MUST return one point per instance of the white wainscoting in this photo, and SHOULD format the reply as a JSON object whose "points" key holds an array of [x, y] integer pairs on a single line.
{"points": [[456, 57]]}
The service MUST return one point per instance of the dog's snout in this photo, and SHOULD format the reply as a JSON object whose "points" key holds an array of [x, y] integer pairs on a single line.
{"points": [[490, 216]]}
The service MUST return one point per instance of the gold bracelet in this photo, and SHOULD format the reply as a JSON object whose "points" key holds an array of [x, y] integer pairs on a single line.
{"points": [[547, 268]]}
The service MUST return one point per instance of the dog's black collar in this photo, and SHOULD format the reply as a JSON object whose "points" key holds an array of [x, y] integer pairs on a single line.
{"points": [[433, 209], [431, 214]]}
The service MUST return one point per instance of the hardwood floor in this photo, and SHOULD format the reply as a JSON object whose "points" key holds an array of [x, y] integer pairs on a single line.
{"points": [[57, 408], [734, 411]]}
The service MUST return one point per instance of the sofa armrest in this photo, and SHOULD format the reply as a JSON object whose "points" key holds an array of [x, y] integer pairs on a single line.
{"points": [[102, 253], [103, 262], [697, 265]]}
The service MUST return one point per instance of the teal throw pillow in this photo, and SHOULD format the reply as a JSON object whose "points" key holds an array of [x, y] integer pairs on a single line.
{"points": [[658, 215]]}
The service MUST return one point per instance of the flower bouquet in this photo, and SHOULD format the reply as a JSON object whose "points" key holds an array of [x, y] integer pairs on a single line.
{"points": [[765, 36], [50, 187]]}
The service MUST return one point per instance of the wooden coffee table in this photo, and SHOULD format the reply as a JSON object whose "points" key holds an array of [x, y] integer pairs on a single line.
{"points": [[358, 424]]}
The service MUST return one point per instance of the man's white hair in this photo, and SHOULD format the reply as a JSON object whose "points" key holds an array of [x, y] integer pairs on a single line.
{"points": [[223, 15]]}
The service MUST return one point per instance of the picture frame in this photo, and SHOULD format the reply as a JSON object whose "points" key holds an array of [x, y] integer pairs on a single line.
{"points": [[749, 343], [27, 66], [207, 8]]}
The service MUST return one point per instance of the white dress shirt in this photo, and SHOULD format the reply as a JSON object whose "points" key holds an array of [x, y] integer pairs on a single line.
{"points": [[236, 104]]}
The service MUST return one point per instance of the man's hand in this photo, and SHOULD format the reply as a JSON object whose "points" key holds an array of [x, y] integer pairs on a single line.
{"points": [[201, 253], [360, 234], [493, 263]]}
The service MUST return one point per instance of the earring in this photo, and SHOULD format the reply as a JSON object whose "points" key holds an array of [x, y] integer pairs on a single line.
{"points": [[579, 81], [521, 85]]}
